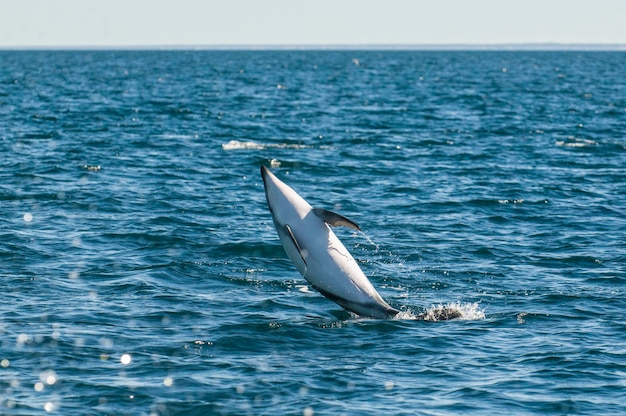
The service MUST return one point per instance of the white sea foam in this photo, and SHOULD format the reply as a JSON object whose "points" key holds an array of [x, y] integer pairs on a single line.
{"points": [[252, 145], [576, 142], [237, 145]]}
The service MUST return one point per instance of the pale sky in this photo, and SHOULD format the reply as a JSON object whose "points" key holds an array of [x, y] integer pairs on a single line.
{"points": [[136, 23]]}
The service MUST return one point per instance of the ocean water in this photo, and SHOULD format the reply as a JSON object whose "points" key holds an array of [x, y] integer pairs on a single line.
{"points": [[141, 273]]}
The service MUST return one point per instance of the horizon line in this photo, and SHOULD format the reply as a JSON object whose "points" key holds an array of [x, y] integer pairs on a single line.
{"points": [[530, 46]]}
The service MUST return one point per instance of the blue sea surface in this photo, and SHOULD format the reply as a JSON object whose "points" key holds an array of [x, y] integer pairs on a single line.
{"points": [[141, 273]]}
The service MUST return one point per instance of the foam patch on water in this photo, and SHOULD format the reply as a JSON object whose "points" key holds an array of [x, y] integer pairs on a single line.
{"points": [[576, 142], [468, 312], [237, 145], [252, 145]]}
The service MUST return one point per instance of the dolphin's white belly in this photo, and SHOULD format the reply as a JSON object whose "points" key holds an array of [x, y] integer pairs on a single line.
{"points": [[333, 269]]}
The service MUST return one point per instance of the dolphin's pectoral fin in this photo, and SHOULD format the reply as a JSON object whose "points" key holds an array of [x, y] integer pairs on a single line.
{"points": [[335, 219], [295, 243]]}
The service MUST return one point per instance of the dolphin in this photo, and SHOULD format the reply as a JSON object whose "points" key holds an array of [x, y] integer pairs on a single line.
{"points": [[318, 254]]}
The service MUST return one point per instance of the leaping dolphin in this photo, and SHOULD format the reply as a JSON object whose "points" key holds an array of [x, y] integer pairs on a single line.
{"points": [[318, 254]]}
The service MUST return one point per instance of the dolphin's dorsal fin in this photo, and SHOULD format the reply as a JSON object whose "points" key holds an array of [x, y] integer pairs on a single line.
{"points": [[335, 219]]}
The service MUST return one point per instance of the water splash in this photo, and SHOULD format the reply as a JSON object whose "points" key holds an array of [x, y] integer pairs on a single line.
{"points": [[370, 241], [468, 311], [441, 312]]}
